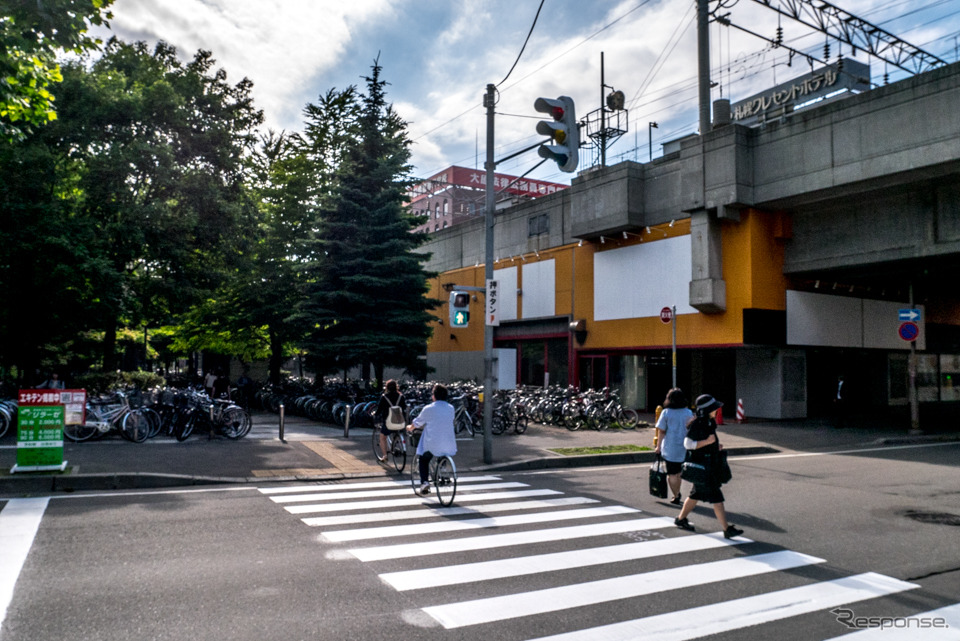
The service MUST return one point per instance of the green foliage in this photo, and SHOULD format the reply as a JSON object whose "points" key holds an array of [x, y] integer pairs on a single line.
{"points": [[31, 36], [130, 207], [102, 382], [365, 285]]}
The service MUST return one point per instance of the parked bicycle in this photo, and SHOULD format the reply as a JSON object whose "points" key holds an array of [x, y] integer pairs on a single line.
{"points": [[217, 416], [111, 413]]}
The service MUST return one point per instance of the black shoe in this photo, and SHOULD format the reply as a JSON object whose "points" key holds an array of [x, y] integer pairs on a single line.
{"points": [[676, 500], [732, 531], [684, 524]]}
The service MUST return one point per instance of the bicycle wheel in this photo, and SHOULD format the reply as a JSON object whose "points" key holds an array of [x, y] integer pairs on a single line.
{"points": [[398, 450], [464, 424], [135, 427], [78, 433], [234, 422], [629, 419], [415, 474], [520, 426], [377, 451], [498, 424], [153, 420], [444, 474], [184, 427]]}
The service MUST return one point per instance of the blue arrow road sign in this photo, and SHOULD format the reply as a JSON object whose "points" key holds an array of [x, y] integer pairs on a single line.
{"points": [[912, 315]]}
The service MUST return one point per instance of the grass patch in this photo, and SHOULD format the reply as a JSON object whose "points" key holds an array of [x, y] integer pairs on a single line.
{"points": [[604, 449]]}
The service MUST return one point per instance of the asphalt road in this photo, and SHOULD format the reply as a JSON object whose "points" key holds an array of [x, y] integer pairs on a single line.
{"points": [[536, 554]]}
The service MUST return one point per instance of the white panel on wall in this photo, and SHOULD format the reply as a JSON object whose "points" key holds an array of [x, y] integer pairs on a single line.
{"points": [[640, 280], [539, 289], [508, 292], [821, 319]]}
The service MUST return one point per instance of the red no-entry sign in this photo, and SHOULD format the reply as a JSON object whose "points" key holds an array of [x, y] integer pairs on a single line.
{"points": [[666, 315]]}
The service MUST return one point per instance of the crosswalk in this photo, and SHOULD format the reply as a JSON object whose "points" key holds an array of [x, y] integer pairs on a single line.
{"points": [[510, 553]]}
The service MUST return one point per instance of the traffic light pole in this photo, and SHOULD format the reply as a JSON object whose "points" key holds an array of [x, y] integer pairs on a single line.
{"points": [[489, 102]]}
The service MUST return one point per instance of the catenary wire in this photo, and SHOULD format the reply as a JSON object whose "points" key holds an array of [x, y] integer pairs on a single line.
{"points": [[529, 33]]}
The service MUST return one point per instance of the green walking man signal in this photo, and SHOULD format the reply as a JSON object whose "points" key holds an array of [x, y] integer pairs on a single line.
{"points": [[459, 309]]}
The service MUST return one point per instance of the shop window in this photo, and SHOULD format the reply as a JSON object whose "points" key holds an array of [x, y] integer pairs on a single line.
{"points": [[928, 378], [950, 377]]}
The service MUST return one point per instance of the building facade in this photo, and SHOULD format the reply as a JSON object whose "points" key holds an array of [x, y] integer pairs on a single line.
{"points": [[456, 195], [790, 251]]}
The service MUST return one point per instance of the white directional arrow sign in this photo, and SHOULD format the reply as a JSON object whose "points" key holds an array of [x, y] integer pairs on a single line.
{"points": [[909, 315]]}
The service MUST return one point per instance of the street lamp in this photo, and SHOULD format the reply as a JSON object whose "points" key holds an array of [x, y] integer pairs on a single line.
{"points": [[650, 127]]}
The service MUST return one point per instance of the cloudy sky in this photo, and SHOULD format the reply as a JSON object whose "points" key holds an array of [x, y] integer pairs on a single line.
{"points": [[439, 55]]}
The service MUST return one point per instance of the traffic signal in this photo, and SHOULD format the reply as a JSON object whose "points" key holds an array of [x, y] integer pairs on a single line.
{"points": [[459, 309], [562, 129]]}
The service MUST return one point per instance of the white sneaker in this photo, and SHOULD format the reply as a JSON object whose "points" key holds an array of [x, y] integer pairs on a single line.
{"points": [[424, 489]]}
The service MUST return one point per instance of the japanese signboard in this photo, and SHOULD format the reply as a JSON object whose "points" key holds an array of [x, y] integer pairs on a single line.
{"points": [[40, 419], [492, 317], [826, 83]]}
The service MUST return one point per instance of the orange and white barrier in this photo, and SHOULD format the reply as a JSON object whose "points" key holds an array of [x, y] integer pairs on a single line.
{"points": [[741, 418]]}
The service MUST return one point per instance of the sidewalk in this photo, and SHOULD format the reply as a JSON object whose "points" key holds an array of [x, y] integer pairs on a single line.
{"points": [[313, 452]]}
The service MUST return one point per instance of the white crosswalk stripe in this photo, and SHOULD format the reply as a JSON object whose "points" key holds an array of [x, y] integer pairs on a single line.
{"points": [[519, 566], [366, 485], [456, 615], [448, 546], [698, 622], [352, 494], [418, 500], [390, 531], [370, 511], [477, 510]]}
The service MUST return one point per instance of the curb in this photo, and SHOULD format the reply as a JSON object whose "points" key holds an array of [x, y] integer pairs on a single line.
{"points": [[597, 460]]}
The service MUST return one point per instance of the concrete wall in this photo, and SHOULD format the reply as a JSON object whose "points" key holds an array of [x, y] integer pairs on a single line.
{"points": [[772, 383]]}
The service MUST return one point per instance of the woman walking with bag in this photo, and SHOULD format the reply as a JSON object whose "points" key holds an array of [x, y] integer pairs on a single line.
{"points": [[391, 398], [703, 450], [671, 430]]}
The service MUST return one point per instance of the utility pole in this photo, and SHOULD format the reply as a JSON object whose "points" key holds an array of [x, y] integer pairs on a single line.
{"points": [[603, 117], [703, 59], [912, 373], [489, 101]]}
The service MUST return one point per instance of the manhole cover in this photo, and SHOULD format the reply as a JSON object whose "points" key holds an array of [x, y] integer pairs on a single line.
{"points": [[939, 518]]}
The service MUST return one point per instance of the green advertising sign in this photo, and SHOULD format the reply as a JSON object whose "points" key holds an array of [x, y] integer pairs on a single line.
{"points": [[39, 438]]}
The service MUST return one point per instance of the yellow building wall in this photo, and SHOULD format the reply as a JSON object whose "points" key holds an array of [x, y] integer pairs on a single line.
{"points": [[752, 269]]}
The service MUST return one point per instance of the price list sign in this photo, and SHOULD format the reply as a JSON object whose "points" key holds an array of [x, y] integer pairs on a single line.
{"points": [[40, 421]]}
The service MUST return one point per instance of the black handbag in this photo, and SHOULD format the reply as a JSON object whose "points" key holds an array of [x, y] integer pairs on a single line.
{"points": [[658, 479], [694, 473], [722, 468]]}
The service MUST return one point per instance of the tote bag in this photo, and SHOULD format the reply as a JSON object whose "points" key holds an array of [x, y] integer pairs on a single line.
{"points": [[658, 479]]}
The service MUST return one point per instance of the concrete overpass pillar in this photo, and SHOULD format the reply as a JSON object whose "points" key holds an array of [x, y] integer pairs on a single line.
{"points": [[708, 291]]}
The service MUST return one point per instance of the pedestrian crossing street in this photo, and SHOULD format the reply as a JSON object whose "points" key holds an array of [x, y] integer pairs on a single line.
{"points": [[504, 531]]}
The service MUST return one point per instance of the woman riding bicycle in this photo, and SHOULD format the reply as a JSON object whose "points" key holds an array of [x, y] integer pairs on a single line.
{"points": [[437, 439], [391, 398]]}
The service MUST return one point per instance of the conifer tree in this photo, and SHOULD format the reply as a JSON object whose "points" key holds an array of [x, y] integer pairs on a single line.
{"points": [[366, 301]]}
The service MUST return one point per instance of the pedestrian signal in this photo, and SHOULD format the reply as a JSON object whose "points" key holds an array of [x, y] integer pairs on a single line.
{"points": [[459, 309]]}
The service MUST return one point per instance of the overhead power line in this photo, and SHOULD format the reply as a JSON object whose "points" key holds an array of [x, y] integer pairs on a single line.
{"points": [[529, 33]]}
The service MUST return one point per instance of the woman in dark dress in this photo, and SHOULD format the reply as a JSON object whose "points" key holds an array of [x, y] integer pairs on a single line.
{"points": [[703, 448]]}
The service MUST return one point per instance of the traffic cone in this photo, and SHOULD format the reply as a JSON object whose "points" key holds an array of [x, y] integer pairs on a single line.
{"points": [[719, 416], [741, 418]]}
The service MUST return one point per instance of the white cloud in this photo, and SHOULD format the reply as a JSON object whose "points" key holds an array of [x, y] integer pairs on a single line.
{"points": [[281, 45], [439, 56]]}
